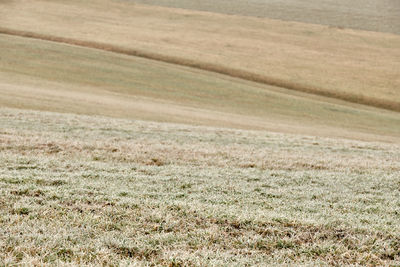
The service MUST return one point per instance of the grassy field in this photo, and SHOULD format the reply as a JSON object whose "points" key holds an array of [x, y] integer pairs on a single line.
{"points": [[57, 77], [88, 190], [371, 15], [142, 135], [357, 66]]}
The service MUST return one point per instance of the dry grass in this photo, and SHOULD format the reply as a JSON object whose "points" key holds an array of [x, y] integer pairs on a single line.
{"points": [[82, 190], [353, 65], [57, 77], [371, 15], [91, 190], [236, 73]]}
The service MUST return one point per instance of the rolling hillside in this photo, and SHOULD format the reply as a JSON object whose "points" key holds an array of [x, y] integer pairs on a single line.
{"points": [[356, 66], [50, 76], [148, 135], [370, 15]]}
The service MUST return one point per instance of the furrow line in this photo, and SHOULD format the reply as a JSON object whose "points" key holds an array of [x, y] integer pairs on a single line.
{"points": [[232, 72]]}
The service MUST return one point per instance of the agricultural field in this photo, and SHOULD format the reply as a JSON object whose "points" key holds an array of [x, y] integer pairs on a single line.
{"points": [[63, 78], [175, 133], [356, 66], [91, 190], [371, 15]]}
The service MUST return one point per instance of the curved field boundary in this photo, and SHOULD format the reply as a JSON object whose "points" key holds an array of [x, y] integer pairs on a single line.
{"points": [[236, 73]]}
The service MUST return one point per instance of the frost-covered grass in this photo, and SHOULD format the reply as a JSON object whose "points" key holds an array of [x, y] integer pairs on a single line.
{"points": [[87, 190]]}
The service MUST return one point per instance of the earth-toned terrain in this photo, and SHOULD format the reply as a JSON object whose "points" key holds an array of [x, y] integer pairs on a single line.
{"points": [[212, 133]]}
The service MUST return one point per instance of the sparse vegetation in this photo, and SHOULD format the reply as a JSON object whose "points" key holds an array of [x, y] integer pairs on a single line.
{"points": [[295, 159], [220, 196]]}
